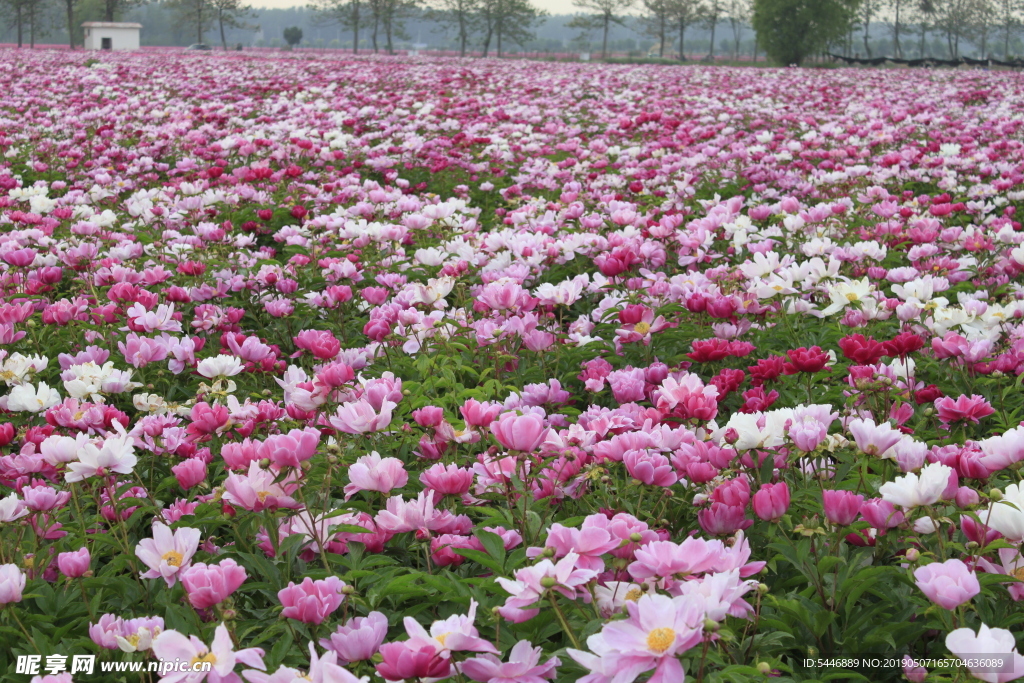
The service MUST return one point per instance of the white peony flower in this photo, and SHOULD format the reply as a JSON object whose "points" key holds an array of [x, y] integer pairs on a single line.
{"points": [[32, 399]]}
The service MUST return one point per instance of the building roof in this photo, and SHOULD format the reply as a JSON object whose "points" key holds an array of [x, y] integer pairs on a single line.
{"points": [[110, 24]]}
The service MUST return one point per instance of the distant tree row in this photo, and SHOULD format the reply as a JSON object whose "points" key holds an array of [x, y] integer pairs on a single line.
{"points": [[34, 19], [495, 22], [792, 30], [788, 31]]}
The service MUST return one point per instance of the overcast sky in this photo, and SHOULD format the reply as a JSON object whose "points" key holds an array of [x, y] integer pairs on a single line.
{"points": [[552, 6]]}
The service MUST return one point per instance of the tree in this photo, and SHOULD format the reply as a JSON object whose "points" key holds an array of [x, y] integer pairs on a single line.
{"points": [[656, 21], [604, 13], [197, 14], [389, 16], [1009, 19], [69, 9], [896, 6], [711, 16], [293, 36], [984, 16], [738, 13], [954, 17], [463, 15], [111, 8], [683, 14], [344, 13], [867, 10], [19, 17], [230, 14], [926, 11], [511, 20], [791, 30]]}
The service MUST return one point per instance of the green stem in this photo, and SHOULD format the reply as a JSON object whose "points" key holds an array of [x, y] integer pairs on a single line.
{"points": [[12, 610], [561, 620]]}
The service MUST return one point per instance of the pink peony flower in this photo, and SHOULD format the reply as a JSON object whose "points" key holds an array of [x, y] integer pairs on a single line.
{"points": [[523, 666], [520, 432], [358, 639], [312, 601], [171, 646], [963, 409], [208, 585], [74, 564], [841, 507], [412, 660], [447, 480], [948, 584], [771, 501], [12, 583], [373, 473], [359, 417]]}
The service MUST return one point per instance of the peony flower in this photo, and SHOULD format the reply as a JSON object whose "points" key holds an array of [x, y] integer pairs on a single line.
{"points": [[171, 646], [948, 584], [117, 454], [31, 399], [74, 564], [220, 366], [520, 432], [912, 490], [373, 473], [964, 643], [12, 583], [523, 666], [208, 585], [358, 639], [168, 553], [312, 601]]}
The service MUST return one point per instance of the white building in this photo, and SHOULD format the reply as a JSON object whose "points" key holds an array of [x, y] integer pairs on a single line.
{"points": [[111, 35]]}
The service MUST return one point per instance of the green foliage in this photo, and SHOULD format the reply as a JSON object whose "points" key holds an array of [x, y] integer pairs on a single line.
{"points": [[293, 35], [792, 30]]}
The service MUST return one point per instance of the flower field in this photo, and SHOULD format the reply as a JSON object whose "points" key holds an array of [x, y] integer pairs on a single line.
{"points": [[505, 371]]}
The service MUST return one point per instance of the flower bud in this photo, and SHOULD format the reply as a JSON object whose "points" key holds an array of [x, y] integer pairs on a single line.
{"points": [[764, 667], [548, 582], [913, 554], [711, 625], [995, 495]]}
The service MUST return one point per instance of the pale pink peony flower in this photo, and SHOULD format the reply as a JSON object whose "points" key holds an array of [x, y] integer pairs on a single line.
{"points": [[167, 553], [171, 646], [358, 639], [523, 666], [373, 473], [948, 584]]}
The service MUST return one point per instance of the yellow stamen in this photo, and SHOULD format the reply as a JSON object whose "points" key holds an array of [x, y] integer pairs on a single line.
{"points": [[633, 595], [173, 557], [443, 637], [208, 657], [660, 639], [641, 328]]}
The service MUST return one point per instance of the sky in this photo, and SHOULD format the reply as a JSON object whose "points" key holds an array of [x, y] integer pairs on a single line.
{"points": [[551, 6]]}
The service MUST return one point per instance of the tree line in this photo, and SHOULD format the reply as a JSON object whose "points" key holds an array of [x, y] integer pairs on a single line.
{"points": [[787, 31]]}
